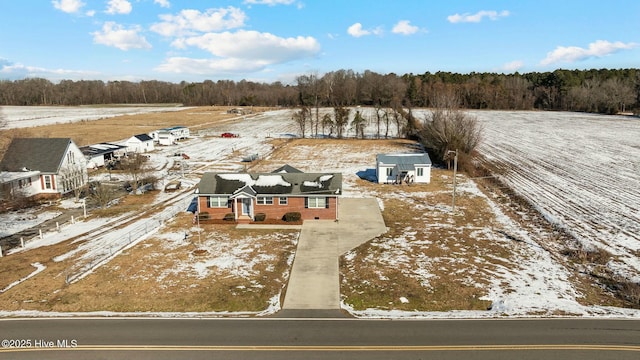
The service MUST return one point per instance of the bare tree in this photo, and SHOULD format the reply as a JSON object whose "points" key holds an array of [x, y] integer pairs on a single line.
{"points": [[400, 122], [3, 120], [327, 122], [358, 124], [341, 119], [102, 194], [449, 129], [301, 117], [74, 177], [310, 87], [137, 168]]}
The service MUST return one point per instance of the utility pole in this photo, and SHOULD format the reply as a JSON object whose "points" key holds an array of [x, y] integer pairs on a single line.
{"points": [[455, 171]]}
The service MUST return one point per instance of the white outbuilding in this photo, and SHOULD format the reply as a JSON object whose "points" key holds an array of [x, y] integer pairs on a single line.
{"points": [[403, 168]]}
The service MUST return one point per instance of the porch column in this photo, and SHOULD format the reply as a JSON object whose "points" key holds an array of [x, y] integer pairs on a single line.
{"points": [[235, 209]]}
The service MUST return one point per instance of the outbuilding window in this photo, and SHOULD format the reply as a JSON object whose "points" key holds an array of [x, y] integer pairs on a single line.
{"points": [[420, 172]]}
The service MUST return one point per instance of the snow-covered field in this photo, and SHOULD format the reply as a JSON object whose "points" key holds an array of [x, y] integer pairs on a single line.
{"points": [[29, 116], [583, 172]]}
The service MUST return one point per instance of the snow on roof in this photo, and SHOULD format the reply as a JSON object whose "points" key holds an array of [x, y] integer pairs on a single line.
{"points": [[8, 176], [318, 183], [262, 180]]}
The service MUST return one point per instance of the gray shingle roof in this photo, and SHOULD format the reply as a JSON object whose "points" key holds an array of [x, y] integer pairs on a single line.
{"points": [[272, 184], [40, 154], [143, 137], [286, 169], [404, 159]]}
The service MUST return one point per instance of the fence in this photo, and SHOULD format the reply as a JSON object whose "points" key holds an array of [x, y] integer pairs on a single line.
{"points": [[101, 249]]}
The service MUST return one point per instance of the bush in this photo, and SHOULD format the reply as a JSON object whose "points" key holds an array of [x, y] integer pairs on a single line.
{"points": [[229, 217], [260, 216], [292, 216], [203, 216]]}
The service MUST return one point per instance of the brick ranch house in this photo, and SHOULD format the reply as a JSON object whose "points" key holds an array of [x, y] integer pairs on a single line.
{"points": [[243, 195]]}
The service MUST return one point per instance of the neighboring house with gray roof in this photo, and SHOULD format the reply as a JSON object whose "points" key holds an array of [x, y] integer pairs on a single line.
{"points": [[59, 161], [403, 168], [313, 195]]}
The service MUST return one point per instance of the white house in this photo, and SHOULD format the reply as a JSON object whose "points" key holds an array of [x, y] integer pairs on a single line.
{"points": [[403, 168], [168, 136], [19, 183], [99, 155], [61, 165], [165, 137], [140, 143]]}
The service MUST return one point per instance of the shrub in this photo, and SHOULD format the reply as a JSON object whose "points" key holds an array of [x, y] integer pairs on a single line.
{"points": [[229, 217], [203, 216], [260, 216], [292, 216]]}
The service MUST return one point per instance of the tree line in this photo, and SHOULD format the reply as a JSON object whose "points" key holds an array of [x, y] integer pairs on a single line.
{"points": [[605, 91]]}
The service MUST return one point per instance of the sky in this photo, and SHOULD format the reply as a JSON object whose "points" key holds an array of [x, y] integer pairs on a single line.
{"points": [[278, 40]]}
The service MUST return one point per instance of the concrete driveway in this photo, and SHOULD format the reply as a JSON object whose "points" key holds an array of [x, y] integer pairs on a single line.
{"points": [[314, 282]]}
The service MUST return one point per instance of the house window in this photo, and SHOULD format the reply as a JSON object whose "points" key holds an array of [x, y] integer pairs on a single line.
{"points": [[283, 201], [47, 182], [420, 172], [316, 202], [389, 171], [264, 200], [218, 201]]}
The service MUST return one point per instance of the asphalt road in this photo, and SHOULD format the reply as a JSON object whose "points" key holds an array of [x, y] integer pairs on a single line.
{"points": [[318, 338]]}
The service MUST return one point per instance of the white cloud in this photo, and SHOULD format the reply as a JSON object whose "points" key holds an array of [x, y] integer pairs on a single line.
{"points": [[262, 47], [183, 65], [118, 7], [269, 2], [477, 17], [598, 48], [116, 35], [188, 21], [68, 6], [90, 13], [20, 71], [356, 30], [162, 3], [404, 27], [513, 66], [239, 52]]}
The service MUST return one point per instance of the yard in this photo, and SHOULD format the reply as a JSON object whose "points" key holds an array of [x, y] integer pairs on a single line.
{"points": [[492, 257]]}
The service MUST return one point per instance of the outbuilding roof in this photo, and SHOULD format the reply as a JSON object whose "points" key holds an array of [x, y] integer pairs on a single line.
{"points": [[404, 160], [271, 183], [100, 149], [143, 137]]}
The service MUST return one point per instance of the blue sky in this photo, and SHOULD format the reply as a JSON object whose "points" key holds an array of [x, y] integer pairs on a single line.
{"points": [[277, 40]]}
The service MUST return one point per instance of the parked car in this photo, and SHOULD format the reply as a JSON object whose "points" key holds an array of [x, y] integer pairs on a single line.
{"points": [[229, 135]]}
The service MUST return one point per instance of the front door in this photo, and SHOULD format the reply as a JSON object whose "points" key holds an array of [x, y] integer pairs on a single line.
{"points": [[246, 206]]}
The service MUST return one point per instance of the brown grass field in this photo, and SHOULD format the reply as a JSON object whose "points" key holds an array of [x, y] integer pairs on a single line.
{"points": [[121, 127]]}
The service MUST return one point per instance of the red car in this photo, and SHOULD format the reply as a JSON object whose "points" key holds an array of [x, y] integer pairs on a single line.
{"points": [[229, 135]]}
